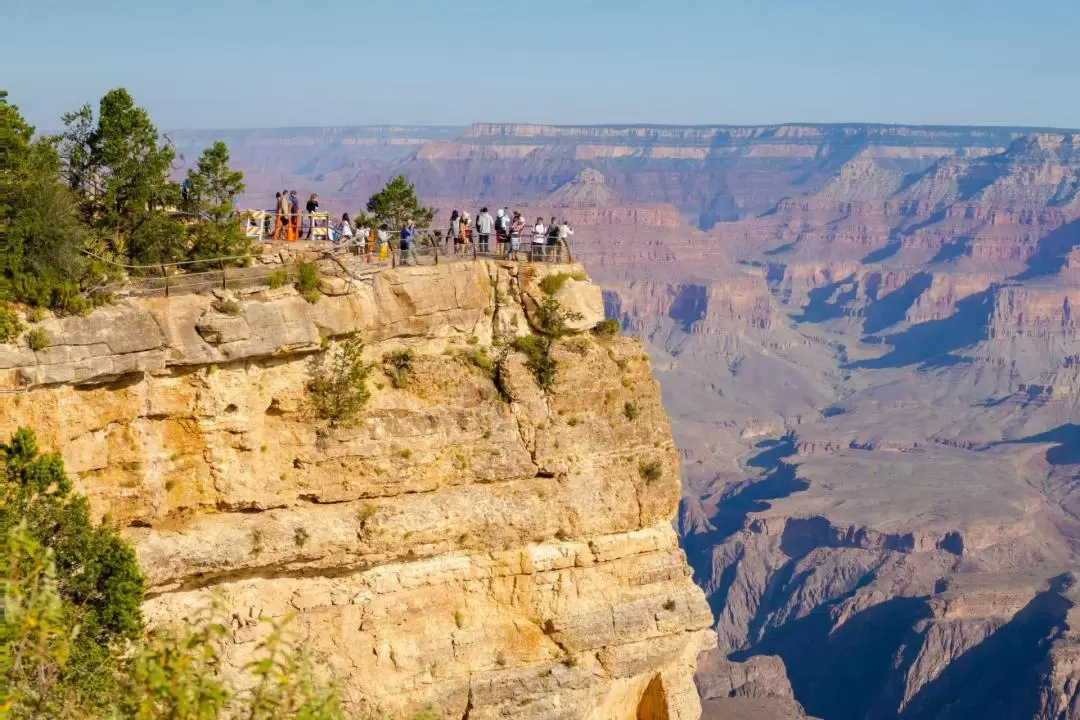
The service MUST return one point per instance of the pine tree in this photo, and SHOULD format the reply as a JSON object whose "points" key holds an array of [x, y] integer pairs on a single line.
{"points": [[396, 203]]}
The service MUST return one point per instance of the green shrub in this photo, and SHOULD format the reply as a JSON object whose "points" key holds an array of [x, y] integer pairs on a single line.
{"points": [[37, 339], [312, 296], [398, 365], [87, 580], [650, 471], [537, 351], [478, 358], [669, 605], [337, 385], [606, 329], [35, 315], [300, 537], [631, 411], [10, 325], [277, 279], [227, 307], [307, 277], [551, 318], [552, 284]]}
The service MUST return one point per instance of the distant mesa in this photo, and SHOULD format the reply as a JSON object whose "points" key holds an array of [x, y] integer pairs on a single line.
{"points": [[587, 189]]}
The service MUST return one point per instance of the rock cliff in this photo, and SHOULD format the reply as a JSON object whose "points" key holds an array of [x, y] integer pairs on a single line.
{"points": [[486, 548]]}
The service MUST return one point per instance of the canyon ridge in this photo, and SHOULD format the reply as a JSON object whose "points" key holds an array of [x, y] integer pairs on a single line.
{"points": [[864, 335]]}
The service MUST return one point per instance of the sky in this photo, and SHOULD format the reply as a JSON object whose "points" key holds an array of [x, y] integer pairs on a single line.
{"points": [[269, 63]]}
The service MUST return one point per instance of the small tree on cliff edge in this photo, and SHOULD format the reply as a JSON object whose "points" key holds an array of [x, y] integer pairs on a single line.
{"points": [[396, 203]]}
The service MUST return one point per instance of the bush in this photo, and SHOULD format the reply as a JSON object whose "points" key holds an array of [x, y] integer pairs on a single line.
{"points": [[35, 315], [650, 471], [537, 351], [227, 307], [277, 279], [307, 277], [338, 383], [83, 582], [606, 329], [478, 358], [37, 339], [10, 325], [551, 319], [312, 296], [398, 365], [552, 284], [631, 411]]}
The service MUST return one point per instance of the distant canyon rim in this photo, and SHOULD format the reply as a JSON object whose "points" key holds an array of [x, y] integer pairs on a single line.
{"points": [[866, 341]]}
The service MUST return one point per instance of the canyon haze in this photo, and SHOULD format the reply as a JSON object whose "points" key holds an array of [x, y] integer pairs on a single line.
{"points": [[865, 337]]}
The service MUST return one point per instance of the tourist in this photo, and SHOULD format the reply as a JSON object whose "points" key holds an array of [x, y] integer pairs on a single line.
{"points": [[383, 239], [455, 228], [463, 232], [281, 222], [517, 229], [407, 243], [552, 240], [312, 207], [294, 212], [539, 236], [565, 231], [485, 224], [345, 229], [502, 232]]}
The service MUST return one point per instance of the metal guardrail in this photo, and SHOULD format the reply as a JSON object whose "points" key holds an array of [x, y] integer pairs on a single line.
{"points": [[356, 259]]}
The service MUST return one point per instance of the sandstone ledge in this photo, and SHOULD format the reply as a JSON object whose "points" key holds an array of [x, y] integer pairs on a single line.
{"points": [[489, 558]]}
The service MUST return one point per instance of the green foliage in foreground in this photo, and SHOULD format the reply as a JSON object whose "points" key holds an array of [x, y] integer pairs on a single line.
{"points": [[72, 644]]}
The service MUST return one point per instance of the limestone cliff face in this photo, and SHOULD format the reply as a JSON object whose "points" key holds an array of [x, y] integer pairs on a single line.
{"points": [[490, 557]]}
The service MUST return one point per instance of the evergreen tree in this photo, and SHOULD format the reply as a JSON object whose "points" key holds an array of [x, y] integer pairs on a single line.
{"points": [[214, 186], [396, 203]]}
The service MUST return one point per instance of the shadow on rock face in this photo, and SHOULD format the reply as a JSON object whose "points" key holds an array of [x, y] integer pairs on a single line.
{"points": [[1002, 676]]}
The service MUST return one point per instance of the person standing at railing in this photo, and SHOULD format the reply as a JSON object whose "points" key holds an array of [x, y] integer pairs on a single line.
{"points": [[312, 207], [485, 225], [538, 239], [281, 222], [552, 240], [502, 231], [407, 243], [294, 211], [455, 229], [384, 242], [517, 229], [565, 231], [463, 232]]}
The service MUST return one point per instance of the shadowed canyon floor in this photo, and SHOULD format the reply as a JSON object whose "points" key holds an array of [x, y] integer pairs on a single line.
{"points": [[865, 337]]}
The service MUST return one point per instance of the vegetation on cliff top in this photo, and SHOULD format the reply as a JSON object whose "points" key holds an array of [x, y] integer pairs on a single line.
{"points": [[74, 206]]}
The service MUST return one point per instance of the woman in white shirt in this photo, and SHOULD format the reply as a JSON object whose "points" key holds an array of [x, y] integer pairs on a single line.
{"points": [[539, 235]]}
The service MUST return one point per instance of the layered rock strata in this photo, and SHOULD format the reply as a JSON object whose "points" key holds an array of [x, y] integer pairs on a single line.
{"points": [[484, 548]]}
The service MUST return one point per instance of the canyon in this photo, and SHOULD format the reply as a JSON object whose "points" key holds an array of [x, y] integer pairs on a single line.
{"points": [[865, 338]]}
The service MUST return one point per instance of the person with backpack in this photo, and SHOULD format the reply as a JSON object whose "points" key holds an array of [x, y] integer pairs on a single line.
{"points": [[485, 225], [502, 232], [407, 243], [552, 240]]}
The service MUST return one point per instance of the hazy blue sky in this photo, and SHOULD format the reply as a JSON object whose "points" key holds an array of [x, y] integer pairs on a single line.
{"points": [[265, 63]]}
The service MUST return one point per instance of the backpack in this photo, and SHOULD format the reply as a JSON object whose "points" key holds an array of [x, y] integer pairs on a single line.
{"points": [[553, 232]]}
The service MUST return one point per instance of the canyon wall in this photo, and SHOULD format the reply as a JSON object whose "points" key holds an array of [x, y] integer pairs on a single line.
{"points": [[473, 544]]}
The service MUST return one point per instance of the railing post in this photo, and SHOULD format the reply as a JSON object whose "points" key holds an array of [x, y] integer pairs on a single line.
{"points": [[165, 274], [221, 263]]}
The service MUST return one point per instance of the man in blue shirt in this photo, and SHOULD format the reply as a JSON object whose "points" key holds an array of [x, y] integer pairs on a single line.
{"points": [[407, 244]]}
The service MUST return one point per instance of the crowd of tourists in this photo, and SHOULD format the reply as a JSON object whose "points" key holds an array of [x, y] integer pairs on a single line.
{"points": [[505, 234]]}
